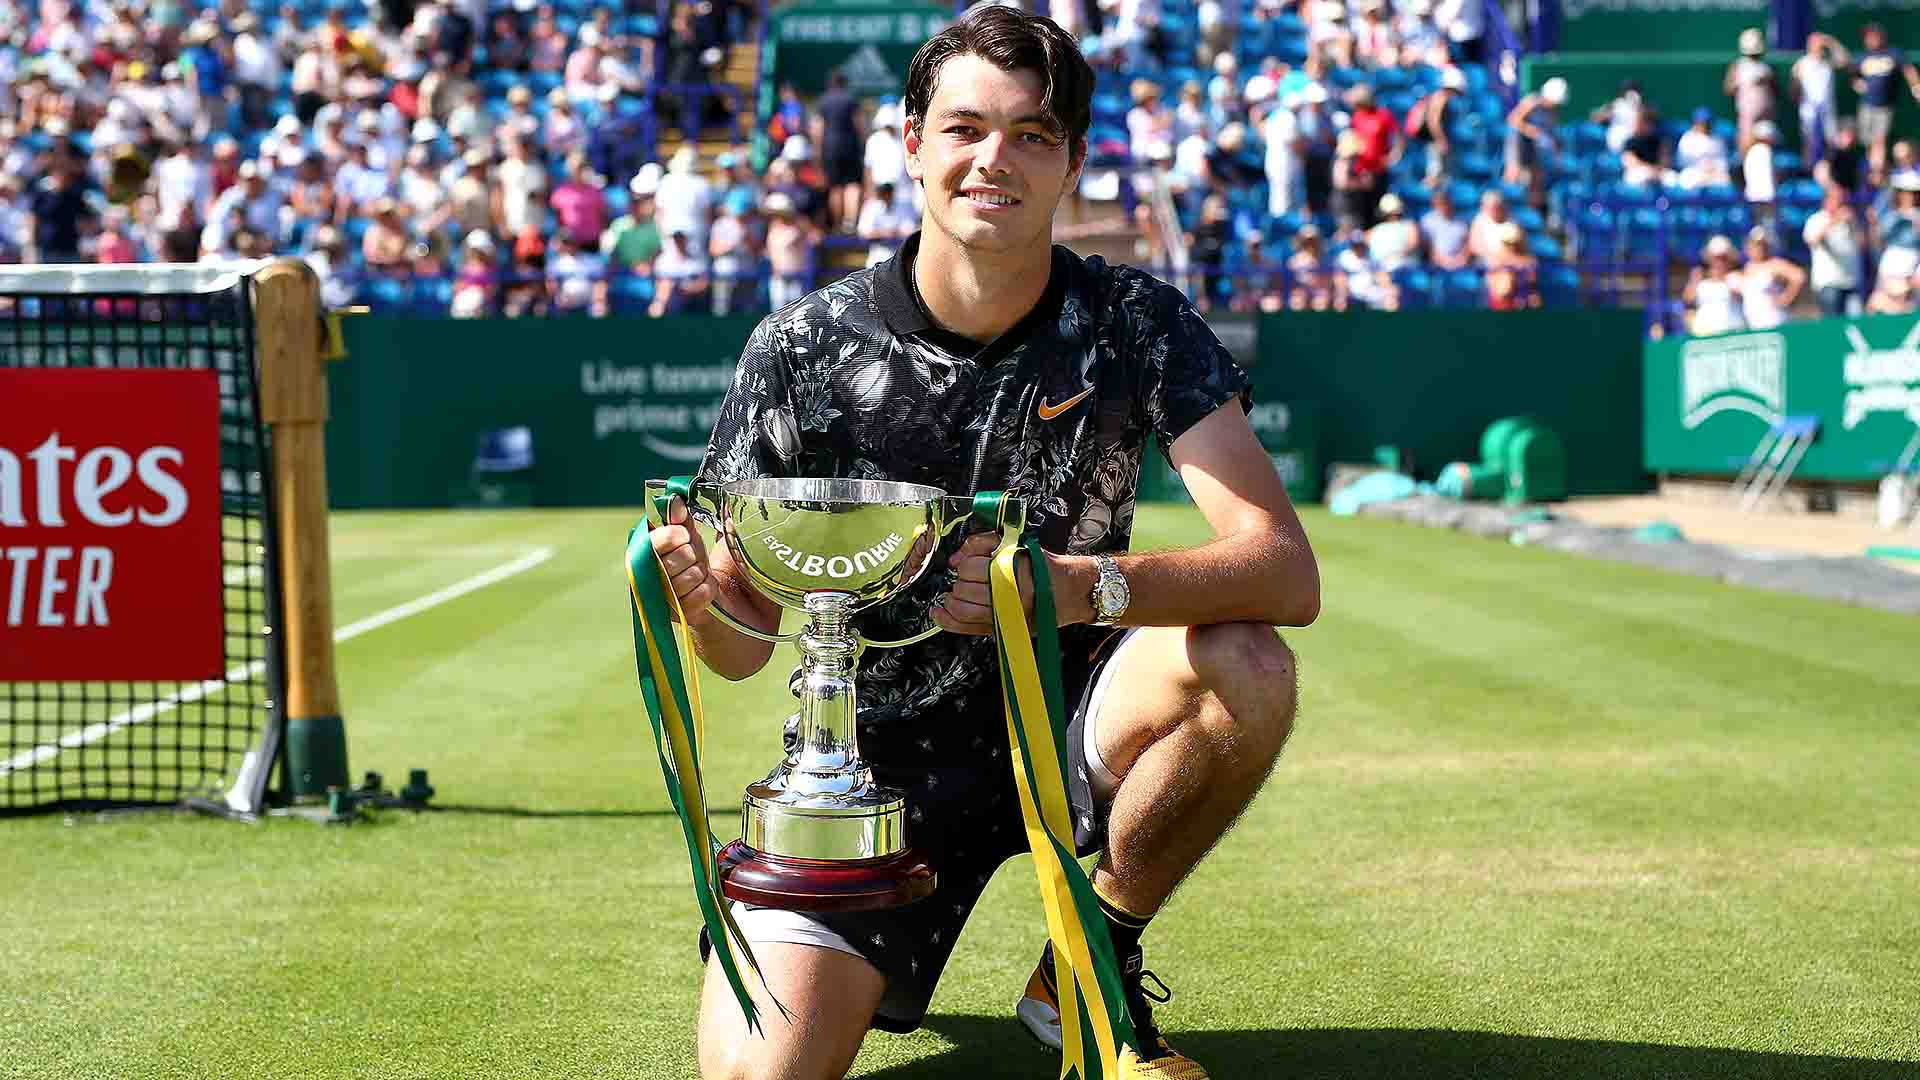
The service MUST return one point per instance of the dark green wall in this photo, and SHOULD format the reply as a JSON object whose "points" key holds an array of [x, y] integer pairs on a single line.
{"points": [[1430, 382], [412, 396]]}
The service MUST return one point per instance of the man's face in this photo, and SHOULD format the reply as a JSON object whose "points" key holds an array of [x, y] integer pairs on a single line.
{"points": [[992, 167]]}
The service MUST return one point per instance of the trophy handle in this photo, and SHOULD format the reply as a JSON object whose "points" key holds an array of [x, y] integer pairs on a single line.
{"points": [[989, 509], [699, 508]]}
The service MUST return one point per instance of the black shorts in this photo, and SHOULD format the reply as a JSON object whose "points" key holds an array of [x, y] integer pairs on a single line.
{"points": [[967, 821]]}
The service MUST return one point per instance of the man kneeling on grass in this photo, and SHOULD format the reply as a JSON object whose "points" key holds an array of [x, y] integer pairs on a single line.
{"points": [[982, 357]]}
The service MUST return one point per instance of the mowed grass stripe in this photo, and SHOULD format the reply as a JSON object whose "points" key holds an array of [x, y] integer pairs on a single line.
{"points": [[1463, 867]]}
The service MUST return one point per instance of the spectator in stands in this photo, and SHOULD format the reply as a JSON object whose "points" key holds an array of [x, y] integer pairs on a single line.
{"points": [[1769, 284], [1512, 271], [1207, 249], [1428, 122], [1225, 103], [841, 152], [808, 202], [420, 193], [1643, 158], [1419, 34], [472, 195], [1484, 235], [797, 155], [734, 179], [508, 47], [522, 197], [1838, 240], [1812, 76], [1286, 158], [792, 241], [1621, 115], [61, 212], [1395, 243], [1262, 91], [1750, 83], [1701, 157], [1317, 128], [1149, 121], [1899, 224], [524, 292], [1713, 292], [16, 221], [684, 202], [1893, 289], [1216, 29], [1229, 166], [546, 44], [633, 240], [1315, 286], [886, 155], [357, 184], [1327, 31], [1367, 282], [1757, 169], [1375, 43], [1444, 234], [339, 280], [385, 245], [1874, 72], [1532, 139], [579, 203], [1465, 24], [688, 64], [258, 204], [1379, 133], [562, 132], [1845, 163], [731, 245], [256, 68], [576, 278], [885, 221], [476, 286], [1356, 188]]}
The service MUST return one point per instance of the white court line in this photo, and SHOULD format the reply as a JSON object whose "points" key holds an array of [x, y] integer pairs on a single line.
{"points": [[192, 692]]}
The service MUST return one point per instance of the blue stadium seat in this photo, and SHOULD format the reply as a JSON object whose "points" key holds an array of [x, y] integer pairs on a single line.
{"points": [[432, 297], [630, 293], [1559, 285], [1464, 288], [1416, 287]]}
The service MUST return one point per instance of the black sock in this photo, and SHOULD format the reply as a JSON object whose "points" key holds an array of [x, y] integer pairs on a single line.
{"points": [[1123, 926]]}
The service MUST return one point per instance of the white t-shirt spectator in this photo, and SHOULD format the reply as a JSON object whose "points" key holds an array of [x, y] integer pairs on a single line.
{"points": [[1285, 168], [670, 265], [886, 158], [879, 222], [1836, 258], [1758, 168], [181, 182], [254, 61], [1394, 244], [729, 232], [361, 184], [1701, 158], [573, 276], [1446, 236], [684, 202], [522, 188]]}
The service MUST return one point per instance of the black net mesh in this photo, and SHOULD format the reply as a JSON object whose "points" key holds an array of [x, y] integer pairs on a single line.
{"points": [[101, 744]]}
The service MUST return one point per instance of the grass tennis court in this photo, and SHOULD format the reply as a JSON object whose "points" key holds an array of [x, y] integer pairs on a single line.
{"points": [[1542, 817]]}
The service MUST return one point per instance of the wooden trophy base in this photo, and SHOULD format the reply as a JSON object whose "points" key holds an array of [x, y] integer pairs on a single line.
{"points": [[775, 881]]}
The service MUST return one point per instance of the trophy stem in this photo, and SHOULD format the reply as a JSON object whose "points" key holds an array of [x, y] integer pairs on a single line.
{"points": [[828, 762]]}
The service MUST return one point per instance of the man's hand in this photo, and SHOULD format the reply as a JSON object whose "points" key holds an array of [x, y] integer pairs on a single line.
{"points": [[968, 609], [684, 554]]}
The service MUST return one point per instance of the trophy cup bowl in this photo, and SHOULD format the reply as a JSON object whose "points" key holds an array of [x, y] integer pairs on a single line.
{"points": [[818, 833]]}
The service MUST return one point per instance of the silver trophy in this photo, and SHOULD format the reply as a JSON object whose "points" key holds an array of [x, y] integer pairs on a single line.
{"points": [[818, 833]]}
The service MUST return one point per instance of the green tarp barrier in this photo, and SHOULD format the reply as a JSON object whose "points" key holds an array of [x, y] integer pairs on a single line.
{"points": [[1430, 382], [1710, 400]]}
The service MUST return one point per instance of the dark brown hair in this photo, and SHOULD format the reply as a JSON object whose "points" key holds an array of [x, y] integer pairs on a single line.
{"points": [[1011, 40]]}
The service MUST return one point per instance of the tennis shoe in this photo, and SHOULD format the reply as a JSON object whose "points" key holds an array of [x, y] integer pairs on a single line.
{"points": [[1038, 1011]]}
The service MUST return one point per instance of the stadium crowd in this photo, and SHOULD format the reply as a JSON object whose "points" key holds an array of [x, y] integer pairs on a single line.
{"points": [[473, 157]]}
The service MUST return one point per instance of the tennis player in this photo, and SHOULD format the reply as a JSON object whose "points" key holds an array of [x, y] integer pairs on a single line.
{"points": [[982, 357]]}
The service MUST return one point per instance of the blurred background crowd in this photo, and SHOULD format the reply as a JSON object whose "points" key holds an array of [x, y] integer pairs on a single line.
{"points": [[481, 157]]}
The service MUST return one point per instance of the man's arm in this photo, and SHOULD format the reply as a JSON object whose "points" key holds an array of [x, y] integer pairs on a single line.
{"points": [[1258, 568]]}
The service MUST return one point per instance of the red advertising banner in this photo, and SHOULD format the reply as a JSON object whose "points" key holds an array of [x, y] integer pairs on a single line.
{"points": [[110, 525]]}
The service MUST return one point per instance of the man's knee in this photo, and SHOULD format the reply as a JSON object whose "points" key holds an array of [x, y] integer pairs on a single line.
{"points": [[1251, 677]]}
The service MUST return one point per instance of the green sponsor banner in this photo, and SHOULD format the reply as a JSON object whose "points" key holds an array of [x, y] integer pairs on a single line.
{"points": [[1710, 400], [610, 403], [1429, 382], [871, 44]]}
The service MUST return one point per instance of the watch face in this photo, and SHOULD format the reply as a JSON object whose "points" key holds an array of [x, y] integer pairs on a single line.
{"points": [[1113, 597]]}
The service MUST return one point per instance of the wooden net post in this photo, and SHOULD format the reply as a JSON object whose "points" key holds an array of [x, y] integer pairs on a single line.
{"points": [[293, 402]]}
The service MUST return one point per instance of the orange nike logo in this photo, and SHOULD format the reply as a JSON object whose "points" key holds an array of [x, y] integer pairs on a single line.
{"points": [[1048, 412]]}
